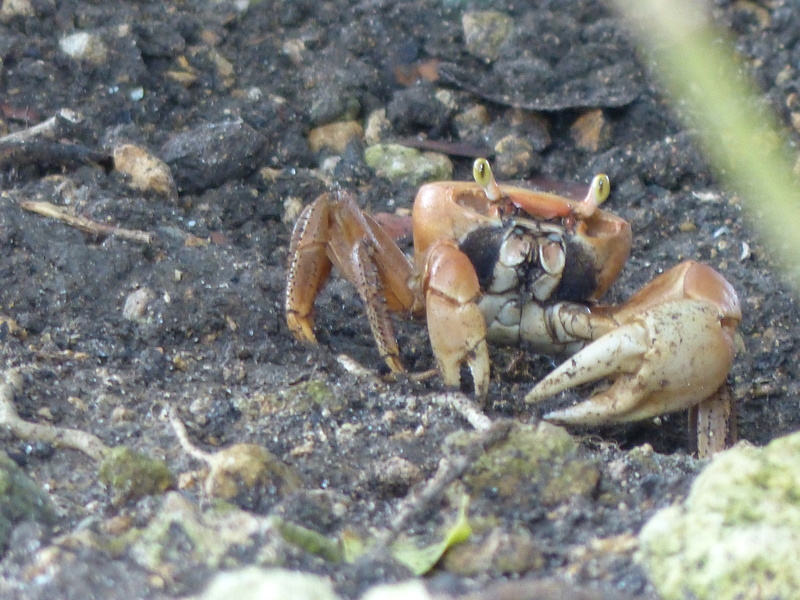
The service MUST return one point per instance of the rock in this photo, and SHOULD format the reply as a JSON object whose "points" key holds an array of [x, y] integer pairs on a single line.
{"points": [[88, 47], [472, 123], [247, 473], [255, 583], [397, 162], [737, 535], [591, 131], [132, 475], [515, 158], [144, 171], [394, 476], [484, 33], [135, 307], [334, 136], [20, 500], [499, 552], [181, 537], [408, 590], [378, 127], [211, 153], [419, 108], [537, 464], [15, 8]]}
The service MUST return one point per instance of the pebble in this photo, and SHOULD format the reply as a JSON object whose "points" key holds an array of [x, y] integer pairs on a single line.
{"points": [[515, 157], [84, 46], [212, 153], [484, 33], [591, 131], [400, 163], [334, 136], [144, 171], [15, 8], [378, 127], [135, 307]]}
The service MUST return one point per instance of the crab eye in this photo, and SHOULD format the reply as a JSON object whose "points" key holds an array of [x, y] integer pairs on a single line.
{"points": [[482, 173], [600, 188]]}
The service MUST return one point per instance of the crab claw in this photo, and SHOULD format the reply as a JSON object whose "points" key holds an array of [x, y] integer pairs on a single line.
{"points": [[664, 356]]}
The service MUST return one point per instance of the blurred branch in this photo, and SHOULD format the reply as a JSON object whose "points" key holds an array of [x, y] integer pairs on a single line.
{"points": [[697, 64]]}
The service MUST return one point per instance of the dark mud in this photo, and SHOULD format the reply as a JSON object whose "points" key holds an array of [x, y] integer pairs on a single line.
{"points": [[227, 98]]}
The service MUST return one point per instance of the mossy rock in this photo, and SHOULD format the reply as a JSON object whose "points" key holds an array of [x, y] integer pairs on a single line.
{"points": [[737, 535], [536, 462], [132, 475], [20, 499]]}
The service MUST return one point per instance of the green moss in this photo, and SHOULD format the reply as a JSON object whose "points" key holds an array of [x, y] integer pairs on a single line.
{"points": [[132, 475], [536, 460], [20, 499]]}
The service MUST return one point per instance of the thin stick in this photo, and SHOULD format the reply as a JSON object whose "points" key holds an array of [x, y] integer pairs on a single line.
{"points": [[449, 470], [75, 439], [463, 406], [52, 128], [47, 209], [183, 438]]}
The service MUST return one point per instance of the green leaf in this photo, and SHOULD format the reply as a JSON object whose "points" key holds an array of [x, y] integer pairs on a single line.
{"points": [[422, 560]]}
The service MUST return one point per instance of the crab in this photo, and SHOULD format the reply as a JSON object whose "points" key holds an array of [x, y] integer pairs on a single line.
{"points": [[508, 265]]}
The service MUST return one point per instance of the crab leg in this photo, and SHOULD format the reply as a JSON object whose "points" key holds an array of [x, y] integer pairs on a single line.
{"points": [[456, 326], [673, 349], [309, 267]]}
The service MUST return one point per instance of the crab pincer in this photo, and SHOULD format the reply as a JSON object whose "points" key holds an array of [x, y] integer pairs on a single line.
{"points": [[672, 349]]}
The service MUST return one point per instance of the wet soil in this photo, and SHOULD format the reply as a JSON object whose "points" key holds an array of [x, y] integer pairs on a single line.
{"points": [[227, 97]]}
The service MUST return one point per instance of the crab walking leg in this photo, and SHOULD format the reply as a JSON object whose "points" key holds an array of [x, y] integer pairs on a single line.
{"points": [[714, 422], [365, 278], [456, 325], [309, 267], [667, 358]]}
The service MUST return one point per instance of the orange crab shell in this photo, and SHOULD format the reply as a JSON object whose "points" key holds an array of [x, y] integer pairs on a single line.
{"points": [[453, 209]]}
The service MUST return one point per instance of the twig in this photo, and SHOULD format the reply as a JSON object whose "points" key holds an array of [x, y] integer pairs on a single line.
{"points": [[183, 438], [53, 128], [87, 225], [465, 407], [75, 439], [449, 470]]}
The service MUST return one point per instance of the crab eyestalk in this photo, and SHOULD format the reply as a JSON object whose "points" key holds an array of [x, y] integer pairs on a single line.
{"points": [[598, 193], [482, 173]]}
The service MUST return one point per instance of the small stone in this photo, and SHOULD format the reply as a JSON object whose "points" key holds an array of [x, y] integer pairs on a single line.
{"points": [[135, 307], [132, 475], [485, 31], [396, 475], [212, 153], [256, 583], [11, 327], [795, 116], [515, 157], [20, 499], [472, 123], [144, 171], [408, 590], [84, 46], [400, 163], [507, 553], [334, 136], [418, 108], [591, 131], [246, 473], [378, 127], [15, 8]]}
